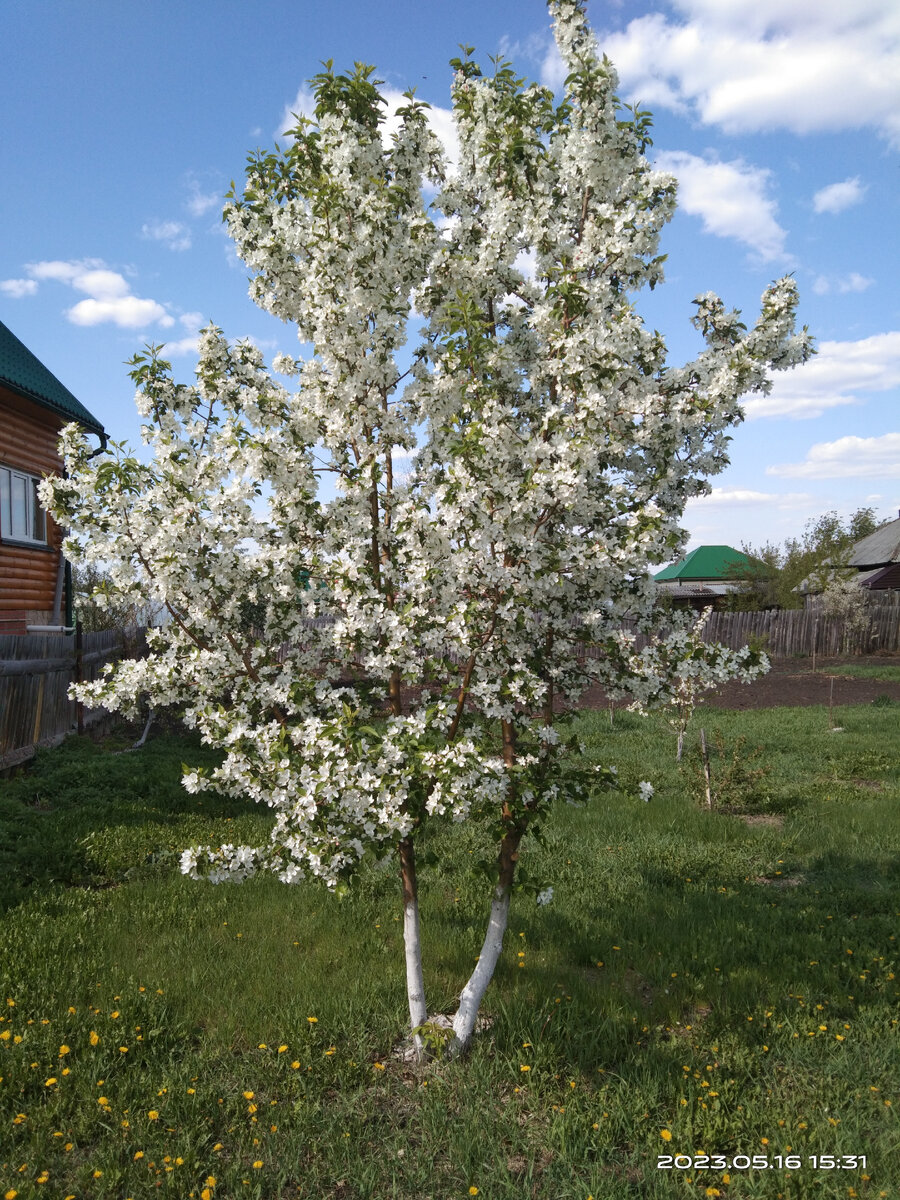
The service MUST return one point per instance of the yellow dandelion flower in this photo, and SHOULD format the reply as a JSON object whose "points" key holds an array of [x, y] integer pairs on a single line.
{"points": [[10, 1195], [97, 1174], [115, 1014], [63, 1050], [211, 1179], [378, 1066], [666, 1135], [295, 1066], [206, 1194], [192, 1091], [473, 1191], [50, 1082], [281, 1049], [153, 1114], [251, 1108], [257, 1164], [94, 1038], [138, 1154]]}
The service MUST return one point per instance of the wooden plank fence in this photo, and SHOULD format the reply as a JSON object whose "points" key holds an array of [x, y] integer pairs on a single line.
{"points": [[35, 673], [36, 669], [804, 631]]}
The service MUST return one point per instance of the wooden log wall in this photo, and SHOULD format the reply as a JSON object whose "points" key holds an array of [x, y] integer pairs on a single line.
{"points": [[28, 440], [35, 674]]}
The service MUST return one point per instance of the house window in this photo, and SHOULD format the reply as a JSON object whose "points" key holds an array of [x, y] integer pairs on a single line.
{"points": [[21, 517]]}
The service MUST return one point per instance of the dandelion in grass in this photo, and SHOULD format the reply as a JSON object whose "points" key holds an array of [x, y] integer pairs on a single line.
{"points": [[473, 1191], [94, 1038], [63, 1051], [666, 1135]]}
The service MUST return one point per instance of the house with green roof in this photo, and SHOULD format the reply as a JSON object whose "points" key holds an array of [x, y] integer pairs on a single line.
{"points": [[35, 583], [707, 576]]}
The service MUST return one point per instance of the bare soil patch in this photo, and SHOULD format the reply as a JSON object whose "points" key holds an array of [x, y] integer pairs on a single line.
{"points": [[793, 684]]}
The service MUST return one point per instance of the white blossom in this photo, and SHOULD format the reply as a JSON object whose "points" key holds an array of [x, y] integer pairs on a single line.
{"points": [[551, 453]]}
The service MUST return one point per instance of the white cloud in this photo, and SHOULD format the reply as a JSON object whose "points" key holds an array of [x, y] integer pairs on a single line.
{"points": [[109, 294], [730, 199], [745, 498], [750, 65], [199, 202], [832, 378], [848, 457], [192, 322], [854, 282], [175, 235], [128, 312], [838, 196], [18, 287]]}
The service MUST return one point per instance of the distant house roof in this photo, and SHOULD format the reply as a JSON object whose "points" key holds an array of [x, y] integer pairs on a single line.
{"points": [[27, 376], [879, 548], [712, 562]]}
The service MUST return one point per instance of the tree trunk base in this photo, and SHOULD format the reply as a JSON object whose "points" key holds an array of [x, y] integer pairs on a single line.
{"points": [[406, 1052]]}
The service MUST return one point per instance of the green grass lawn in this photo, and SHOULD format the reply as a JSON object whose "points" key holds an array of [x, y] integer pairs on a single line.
{"points": [[718, 983]]}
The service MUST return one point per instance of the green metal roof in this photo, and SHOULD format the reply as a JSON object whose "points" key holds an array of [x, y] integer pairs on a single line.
{"points": [[26, 375], [711, 562]]}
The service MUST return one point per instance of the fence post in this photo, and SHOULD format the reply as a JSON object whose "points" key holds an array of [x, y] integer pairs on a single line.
{"points": [[79, 673]]}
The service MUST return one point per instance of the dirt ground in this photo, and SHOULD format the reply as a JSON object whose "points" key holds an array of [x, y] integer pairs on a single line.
{"points": [[792, 683]]}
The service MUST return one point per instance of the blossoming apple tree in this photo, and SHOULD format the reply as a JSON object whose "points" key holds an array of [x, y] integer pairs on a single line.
{"points": [[547, 453]]}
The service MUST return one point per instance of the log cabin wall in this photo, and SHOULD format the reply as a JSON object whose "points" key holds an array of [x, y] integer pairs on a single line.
{"points": [[28, 440]]}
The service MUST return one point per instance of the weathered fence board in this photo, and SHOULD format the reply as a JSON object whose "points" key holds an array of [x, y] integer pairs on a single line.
{"points": [[35, 673]]}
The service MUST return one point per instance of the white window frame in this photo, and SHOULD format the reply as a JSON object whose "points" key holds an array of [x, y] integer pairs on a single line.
{"points": [[35, 530]]}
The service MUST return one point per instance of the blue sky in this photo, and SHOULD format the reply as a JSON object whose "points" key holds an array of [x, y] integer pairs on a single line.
{"points": [[123, 126]]}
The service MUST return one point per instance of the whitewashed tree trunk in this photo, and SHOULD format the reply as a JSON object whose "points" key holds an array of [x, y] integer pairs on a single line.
{"points": [[412, 943], [473, 993], [415, 980]]}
